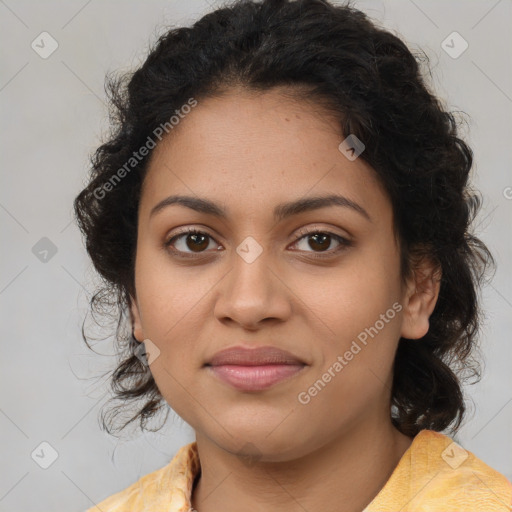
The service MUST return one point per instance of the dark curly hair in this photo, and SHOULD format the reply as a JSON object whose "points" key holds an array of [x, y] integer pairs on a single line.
{"points": [[368, 78]]}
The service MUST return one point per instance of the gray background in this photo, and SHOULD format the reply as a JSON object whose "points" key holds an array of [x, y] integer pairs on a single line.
{"points": [[53, 113]]}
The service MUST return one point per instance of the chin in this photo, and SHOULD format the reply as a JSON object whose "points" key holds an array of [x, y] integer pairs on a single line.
{"points": [[257, 442]]}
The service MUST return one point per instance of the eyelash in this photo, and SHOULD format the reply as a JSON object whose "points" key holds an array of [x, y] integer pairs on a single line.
{"points": [[343, 242]]}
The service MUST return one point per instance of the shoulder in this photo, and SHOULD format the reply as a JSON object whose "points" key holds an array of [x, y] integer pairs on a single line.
{"points": [[436, 473], [467, 481], [167, 488]]}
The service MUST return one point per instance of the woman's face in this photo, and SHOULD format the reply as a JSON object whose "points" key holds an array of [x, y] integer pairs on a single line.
{"points": [[257, 276]]}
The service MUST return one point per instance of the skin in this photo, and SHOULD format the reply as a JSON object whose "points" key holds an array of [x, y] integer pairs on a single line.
{"points": [[265, 451]]}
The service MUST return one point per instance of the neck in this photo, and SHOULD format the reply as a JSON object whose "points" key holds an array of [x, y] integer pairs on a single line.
{"points": [[344, 474]]}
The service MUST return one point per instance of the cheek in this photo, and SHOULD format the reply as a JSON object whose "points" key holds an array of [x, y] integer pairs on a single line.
{"points": [[169, 296], [357, 310], [351, 296]]}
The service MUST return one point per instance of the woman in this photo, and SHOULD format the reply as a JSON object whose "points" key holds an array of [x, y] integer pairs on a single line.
{"points": [[283, 211]]}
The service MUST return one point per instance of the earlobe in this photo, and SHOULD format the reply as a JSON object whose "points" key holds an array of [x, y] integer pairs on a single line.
{"points": [[135, 320], [420, 301]]}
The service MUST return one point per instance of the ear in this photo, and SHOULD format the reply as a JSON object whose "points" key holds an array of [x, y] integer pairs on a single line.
{"points": [[135, 319], [421, 298]]}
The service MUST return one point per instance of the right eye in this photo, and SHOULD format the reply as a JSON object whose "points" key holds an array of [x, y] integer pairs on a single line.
{"points": [[194, 240]]}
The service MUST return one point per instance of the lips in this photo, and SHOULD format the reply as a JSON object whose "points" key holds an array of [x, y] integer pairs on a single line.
{"points": [[253, 357], [254, 369]]}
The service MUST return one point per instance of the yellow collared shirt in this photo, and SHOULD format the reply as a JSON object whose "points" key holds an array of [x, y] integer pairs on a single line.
{"points": [[433, 475]]}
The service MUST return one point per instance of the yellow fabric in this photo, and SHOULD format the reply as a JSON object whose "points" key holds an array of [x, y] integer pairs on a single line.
{"points": [[437, 475], [433, 475]]}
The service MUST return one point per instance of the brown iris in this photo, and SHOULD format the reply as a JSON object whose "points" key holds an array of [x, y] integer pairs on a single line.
{"points": [[318, 239], [200, 241]]}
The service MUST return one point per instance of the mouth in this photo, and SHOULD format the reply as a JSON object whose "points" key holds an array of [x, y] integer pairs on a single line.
{"points": [[254, 369]]}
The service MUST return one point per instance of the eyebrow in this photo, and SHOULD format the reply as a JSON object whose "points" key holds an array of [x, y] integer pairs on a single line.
{"points": [[281, 211]]}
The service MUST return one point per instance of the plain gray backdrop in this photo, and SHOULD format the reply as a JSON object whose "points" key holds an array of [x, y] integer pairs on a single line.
{"points": [[53, 114]]}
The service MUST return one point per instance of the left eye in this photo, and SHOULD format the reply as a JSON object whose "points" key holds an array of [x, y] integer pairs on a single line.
{"points": [[320, 241]]}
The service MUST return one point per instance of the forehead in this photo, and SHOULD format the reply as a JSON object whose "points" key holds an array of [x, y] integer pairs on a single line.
{"points": [[253, 150]]}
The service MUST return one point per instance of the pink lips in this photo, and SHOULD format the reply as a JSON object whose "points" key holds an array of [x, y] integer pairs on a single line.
{"points": [[254, 369]]}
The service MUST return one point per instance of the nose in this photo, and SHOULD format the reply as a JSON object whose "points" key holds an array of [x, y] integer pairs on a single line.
{"points": [[252, 294]]}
